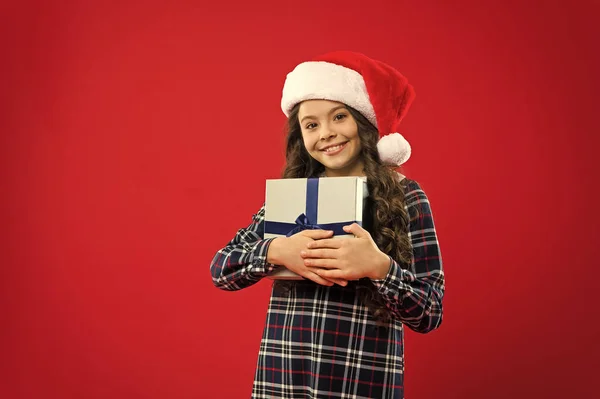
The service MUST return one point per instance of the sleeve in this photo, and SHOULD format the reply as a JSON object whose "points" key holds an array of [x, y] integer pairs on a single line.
{"points": [[414, 294], [243, 261]]}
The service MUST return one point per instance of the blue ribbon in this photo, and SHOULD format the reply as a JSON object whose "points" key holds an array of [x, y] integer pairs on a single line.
{"points": [[307, 220]]}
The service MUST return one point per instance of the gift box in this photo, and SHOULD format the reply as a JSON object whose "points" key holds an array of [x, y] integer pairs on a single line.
{"points": [[327, 203]]}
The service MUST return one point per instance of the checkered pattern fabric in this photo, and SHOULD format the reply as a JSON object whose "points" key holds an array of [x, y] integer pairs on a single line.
{"points": [[321, 342]]}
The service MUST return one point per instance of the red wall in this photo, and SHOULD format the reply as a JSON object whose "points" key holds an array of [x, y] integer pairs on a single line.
{"points": [[136, 137]]}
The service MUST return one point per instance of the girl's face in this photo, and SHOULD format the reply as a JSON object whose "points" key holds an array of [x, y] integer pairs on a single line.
{"points": [[330, 135]]}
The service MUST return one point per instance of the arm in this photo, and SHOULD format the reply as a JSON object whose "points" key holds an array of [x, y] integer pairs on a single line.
{"points": [[414, 295], [243, 261]]}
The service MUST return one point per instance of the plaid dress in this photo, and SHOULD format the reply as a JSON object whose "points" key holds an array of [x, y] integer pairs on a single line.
{"points": [[321, 342]]}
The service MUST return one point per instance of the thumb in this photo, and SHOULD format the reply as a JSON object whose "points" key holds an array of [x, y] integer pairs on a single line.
{"points": [[357, 230]]}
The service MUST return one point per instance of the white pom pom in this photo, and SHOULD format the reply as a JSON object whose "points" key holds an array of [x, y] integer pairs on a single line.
{"points": [[393, 149]]}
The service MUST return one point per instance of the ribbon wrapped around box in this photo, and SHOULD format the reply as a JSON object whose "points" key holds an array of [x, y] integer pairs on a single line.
{"points": [[327, 203]]}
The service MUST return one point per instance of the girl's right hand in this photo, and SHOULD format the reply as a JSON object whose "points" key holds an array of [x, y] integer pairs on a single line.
{"points": [[285, 251]]}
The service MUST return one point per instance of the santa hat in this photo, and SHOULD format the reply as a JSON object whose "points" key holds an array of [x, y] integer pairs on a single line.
{"points": [[376, 90]]}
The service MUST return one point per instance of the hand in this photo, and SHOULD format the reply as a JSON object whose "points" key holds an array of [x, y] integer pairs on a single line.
{"points": [[285, 251], [347, 258]]}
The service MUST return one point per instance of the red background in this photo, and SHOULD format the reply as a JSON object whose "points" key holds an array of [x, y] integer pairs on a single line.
{"points": [[136, 137]]}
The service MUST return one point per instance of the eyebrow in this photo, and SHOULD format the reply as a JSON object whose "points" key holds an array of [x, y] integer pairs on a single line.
{"points": [[332, 110]]}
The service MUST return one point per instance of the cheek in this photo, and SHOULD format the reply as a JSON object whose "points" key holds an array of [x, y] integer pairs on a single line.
{"points": [[356, 140], [308, 142], [351, 130]]}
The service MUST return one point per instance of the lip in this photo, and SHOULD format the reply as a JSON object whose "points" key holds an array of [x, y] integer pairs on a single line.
{"points": [[343, 145]]}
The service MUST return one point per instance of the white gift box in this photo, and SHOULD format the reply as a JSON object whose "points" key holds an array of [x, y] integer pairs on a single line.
{"points": [[328, 203]]}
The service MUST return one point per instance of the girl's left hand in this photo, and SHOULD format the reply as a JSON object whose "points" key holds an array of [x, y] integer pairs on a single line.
{"points": [[348, 259]]}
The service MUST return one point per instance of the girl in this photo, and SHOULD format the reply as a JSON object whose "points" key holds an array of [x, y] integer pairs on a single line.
{"points": [[339, 332]]}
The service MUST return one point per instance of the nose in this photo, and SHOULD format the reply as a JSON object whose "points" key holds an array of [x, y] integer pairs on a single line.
{"points": [[326, 133]]}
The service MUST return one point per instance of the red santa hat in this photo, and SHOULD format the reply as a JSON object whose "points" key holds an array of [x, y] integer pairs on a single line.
{"points": [[376, 90]]}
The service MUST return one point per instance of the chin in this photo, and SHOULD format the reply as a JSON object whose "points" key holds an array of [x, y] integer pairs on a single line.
{"points": [[337, 167]]}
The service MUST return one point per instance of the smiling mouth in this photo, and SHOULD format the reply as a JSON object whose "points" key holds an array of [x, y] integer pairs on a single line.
{"points": [[334, 148]]}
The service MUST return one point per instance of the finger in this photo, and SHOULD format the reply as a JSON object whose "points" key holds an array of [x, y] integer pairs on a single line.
{"points": [[333, 243], [357, 230], [323, 263], [338, 281], [319, 253], [317, 279], [332, 274], [317, 234]]}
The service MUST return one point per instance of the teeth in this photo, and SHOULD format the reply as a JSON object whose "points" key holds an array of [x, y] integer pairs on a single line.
{"points": [[334, 148]]}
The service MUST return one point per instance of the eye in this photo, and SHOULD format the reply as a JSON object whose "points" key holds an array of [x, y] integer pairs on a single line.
{"points": [[339, 117], [311, 126]]}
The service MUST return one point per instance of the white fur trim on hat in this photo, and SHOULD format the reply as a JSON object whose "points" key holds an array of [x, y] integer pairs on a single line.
{"points": [[319, 80], [393, 149]]}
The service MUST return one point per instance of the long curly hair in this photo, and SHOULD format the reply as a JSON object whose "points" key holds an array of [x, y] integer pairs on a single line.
{"points": [[388, 218]]}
